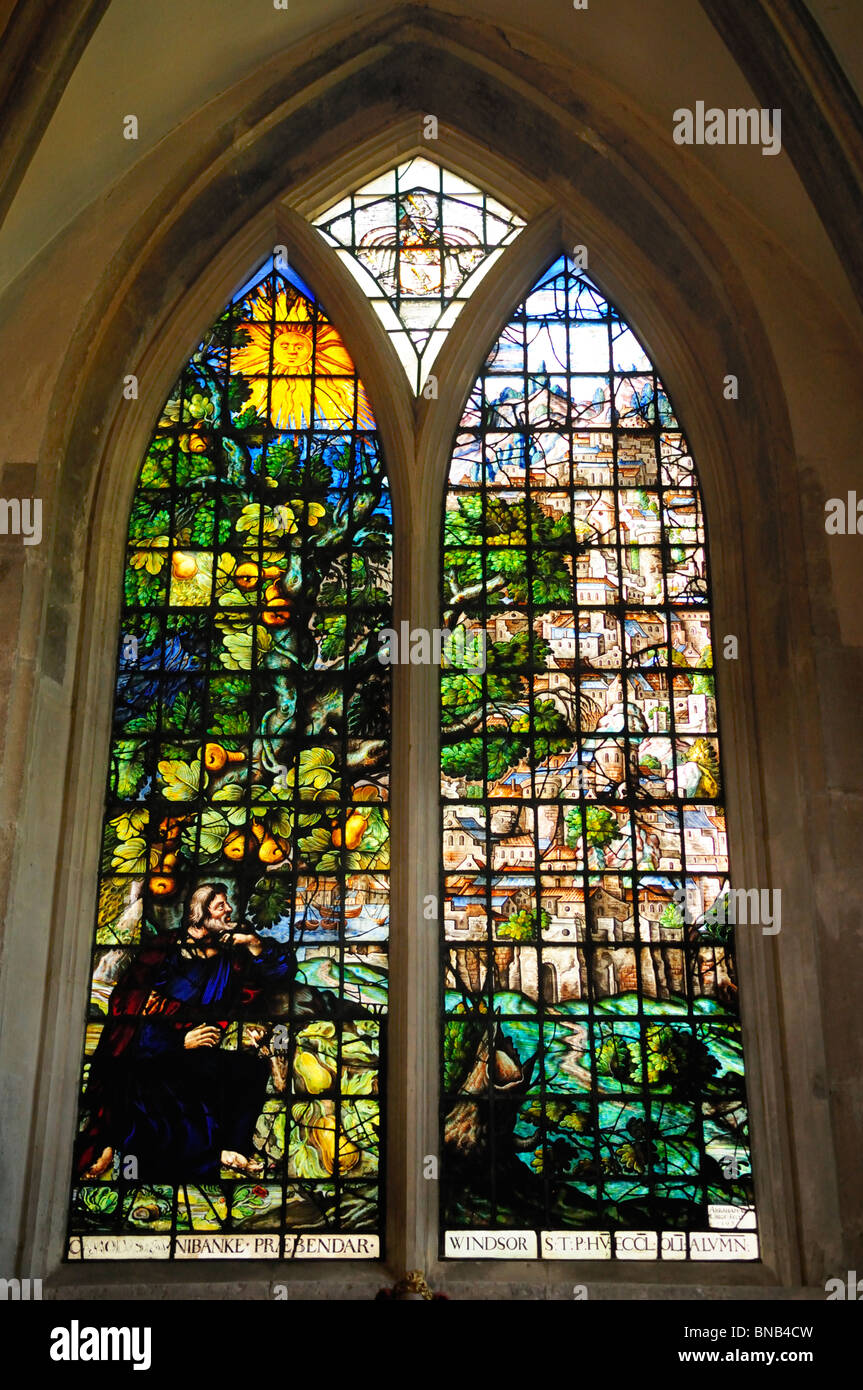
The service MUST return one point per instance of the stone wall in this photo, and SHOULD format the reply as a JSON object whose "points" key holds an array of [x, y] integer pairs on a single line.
{"points": [[129, 283]]}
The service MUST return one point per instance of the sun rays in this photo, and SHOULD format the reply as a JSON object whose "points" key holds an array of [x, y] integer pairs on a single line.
{"points": [[313, 382]]}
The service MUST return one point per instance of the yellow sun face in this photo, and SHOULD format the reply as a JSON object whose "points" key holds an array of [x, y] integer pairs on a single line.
{"points": [[314, 380], [292, 349]]}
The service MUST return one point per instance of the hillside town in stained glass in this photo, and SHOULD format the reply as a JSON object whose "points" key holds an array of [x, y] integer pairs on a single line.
{"points": [[235, 1032], [418, 240], [593, 1098]]}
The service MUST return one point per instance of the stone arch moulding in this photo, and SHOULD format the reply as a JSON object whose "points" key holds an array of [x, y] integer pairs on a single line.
{"points": [[100, 539], [735, 467], [671, 279], [97, 541]]}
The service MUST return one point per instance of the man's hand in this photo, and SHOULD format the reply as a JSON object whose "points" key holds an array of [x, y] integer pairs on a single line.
{"points": [[204, 1035], [250, 940]]}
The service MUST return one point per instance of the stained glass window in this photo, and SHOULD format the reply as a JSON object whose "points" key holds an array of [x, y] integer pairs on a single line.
{"points": [[593, 1099], [419, 239], [235, 1035]]}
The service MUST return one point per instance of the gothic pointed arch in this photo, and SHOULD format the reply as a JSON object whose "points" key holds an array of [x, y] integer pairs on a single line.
{"points": [[166, 263], [235, 1037], [593, 1092]]}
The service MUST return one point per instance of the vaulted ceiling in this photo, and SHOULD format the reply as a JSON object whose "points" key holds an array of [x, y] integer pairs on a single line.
{"points": [[65, 89]]}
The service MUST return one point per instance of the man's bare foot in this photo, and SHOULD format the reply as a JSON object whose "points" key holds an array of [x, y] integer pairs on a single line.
{"points": [[251, 1166], [102, 1164]]}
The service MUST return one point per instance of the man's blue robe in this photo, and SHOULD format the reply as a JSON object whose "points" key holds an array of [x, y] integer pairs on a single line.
{"points": [[175, 1108]]}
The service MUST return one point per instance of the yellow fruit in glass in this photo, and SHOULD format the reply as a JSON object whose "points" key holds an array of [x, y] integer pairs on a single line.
{"points": [[314, 1078]]}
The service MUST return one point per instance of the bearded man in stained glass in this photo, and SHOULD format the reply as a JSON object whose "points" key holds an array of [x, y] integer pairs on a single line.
{"points": [[162, 1087]]}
